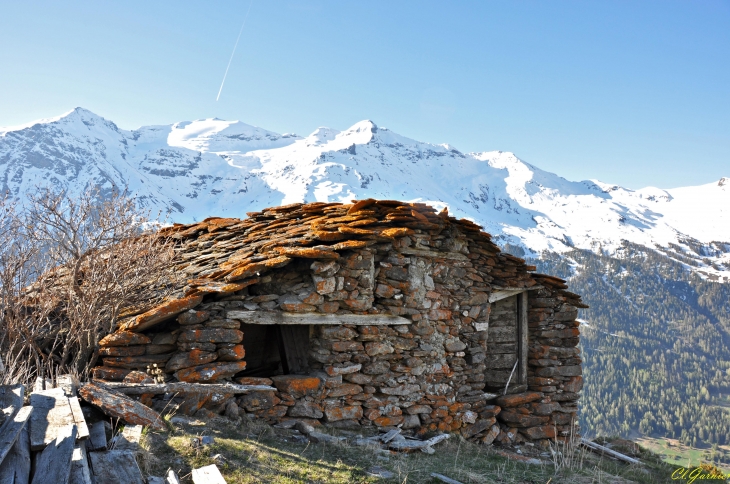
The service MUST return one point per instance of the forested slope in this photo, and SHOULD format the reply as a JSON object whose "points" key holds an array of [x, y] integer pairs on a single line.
{"points": [[656, 346]]}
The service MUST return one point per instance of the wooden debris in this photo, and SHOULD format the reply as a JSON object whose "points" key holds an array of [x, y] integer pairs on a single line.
{"points": [[171, 477], [445, 479], [600, 449], [129, 438], [417, 444], [80, 473], [182, 387], [115, 467], [390, 435], [11, 430], [68, 384], [208, 475], [15, 466], [51, 413], [117, 405], [97, 436], [53, 465], [79, 419]]}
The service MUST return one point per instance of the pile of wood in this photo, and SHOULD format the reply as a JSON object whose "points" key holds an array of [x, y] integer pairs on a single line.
{"points": [[58, 439]]}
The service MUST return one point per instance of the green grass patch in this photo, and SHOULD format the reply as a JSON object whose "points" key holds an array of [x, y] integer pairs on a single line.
{"points": [[255, 453]]}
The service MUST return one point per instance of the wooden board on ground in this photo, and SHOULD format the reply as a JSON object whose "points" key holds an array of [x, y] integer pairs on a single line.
{"points": [[80, 473], [97, 436], [208, 475], [15, 468], [11, 396], [79, 418], [171, 477], [129, 438], [68, 384], [117, 405], [11, 430], [51, 413], [53, 465], [38, 386], [115, 467]]}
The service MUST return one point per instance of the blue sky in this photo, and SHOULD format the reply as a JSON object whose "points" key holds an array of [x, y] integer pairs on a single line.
{"points": [[633, 93]]}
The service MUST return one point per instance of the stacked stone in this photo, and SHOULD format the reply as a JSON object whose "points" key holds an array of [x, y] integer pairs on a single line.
{"points": [[369, 258]]}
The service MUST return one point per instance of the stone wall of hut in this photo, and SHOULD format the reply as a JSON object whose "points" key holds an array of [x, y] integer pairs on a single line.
{"points": [[438, 373]]}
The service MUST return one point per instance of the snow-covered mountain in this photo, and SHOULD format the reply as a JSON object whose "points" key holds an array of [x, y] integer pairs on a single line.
{"points": [[192, 170]]}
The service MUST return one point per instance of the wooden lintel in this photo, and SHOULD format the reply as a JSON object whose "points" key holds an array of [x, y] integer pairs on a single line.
{"points": [[499, 293], [181, 387], [279, 317], [433, 254]]}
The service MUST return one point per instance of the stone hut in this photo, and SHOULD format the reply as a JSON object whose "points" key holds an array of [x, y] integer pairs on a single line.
{"points": [[377, 313]]}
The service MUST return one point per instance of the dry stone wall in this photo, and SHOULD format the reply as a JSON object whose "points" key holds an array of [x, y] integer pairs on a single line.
{"points": [[431, 374]]}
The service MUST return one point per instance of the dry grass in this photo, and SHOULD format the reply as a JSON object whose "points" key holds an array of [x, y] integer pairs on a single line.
{"points": [[255, 453]]}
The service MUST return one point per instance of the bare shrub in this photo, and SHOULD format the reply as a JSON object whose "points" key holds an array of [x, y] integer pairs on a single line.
{"points": [[69, 269]]}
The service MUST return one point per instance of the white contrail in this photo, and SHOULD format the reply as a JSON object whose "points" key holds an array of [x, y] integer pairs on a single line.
{"points": [[234, 51]]}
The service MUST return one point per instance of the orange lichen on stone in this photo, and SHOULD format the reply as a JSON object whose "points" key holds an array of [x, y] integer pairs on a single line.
{"points": [[396, 232], [308, 252], [111, 374], [350, 244], [122, 350], [328, 236], [215, 223], [518, 399], [297, 386], [189, 359], [354, 231], [120, 406], [163, 312], [124, 338], [359, 205], [211, 287], [211, 372], [138, 377]]}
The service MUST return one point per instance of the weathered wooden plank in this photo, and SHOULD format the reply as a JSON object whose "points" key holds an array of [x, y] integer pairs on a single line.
{"points": [[417, 444], [181, 387], [11, 398], [294, 343], [171, 477], [445, 479], [97, 436], [129, 438], [505, 334], [80, 473], [15, 468], [53, 465], [79, 419], [605, 450], [120, 406], [522, 337], [500, 362], [279, 317], [208, 475], [499, 293], [51, 413], [11, 429], [115, 467], [68, 384], [433, 254], [38, 386]]}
